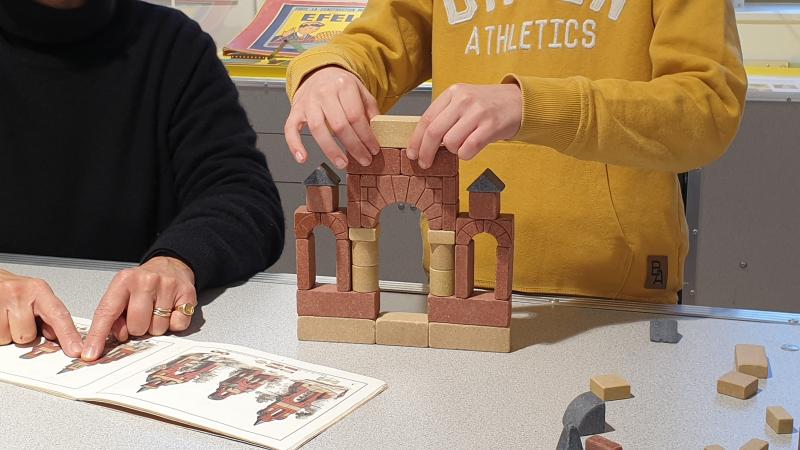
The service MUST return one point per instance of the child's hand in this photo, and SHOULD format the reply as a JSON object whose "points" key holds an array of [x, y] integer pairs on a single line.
{"points": [[465, 119], [333, 99]]}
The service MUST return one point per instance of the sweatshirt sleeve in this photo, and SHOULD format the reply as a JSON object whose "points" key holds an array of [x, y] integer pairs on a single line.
{"points": [[388, 48], [230, 223], [684, 118]]}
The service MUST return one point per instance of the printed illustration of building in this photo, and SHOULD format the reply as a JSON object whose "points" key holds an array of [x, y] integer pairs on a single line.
{"points": [[183, 369], [301, 399], [116, 354], [242, 381], [43, 348]]}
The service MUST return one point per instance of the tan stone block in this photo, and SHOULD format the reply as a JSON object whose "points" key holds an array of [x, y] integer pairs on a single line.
{"points": [[469, 337], [442, 282], [365, 253], [752, 360], [739, 385], [714, 447], [402, 328], [441, 237], [365, 279], [443, 256], [780, 420], [336, 329], [364, 234], [610, 387], [755, 444], [394, 131]]}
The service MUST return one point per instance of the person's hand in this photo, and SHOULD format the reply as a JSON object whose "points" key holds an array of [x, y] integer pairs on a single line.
{"points": [[128, 306], [22, 300], [466, 118], [333, 99]]}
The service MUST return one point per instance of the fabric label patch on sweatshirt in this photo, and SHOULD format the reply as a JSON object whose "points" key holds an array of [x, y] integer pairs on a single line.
{"points": [[657, 272]]}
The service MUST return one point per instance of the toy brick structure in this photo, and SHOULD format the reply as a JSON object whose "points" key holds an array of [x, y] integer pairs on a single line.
{"points": [[349, 311]]}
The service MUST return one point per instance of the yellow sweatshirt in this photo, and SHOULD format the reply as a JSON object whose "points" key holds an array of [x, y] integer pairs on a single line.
{"points": [[619, 96]]}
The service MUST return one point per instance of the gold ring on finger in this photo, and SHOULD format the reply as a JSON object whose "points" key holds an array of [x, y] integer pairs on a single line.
{"points": [[185, 309], [162, 312]]}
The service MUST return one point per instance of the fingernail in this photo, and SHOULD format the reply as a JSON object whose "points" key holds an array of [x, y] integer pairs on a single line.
{"points": [[341, 163], [412, 154], [375, 151], [76, 348], [298, 157], [89, 353], [365, 162]]}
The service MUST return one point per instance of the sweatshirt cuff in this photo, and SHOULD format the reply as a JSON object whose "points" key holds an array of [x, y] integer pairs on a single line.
{"points": [[193, 252], [309, 62], [552, 110]]}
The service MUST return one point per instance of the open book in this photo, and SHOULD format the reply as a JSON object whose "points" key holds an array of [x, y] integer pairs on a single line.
{"points": [[228, 390]]}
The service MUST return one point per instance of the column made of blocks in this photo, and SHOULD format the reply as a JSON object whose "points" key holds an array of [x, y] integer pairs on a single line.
{"points": [[365, 258], [442, 262]]}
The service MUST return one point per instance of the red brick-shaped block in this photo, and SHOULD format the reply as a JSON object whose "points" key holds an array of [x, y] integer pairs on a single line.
{"points": [[484, 205], [337, 222], [400, 184], [306, 263], [505, 273], [387, 162], [344, 265], [434, 182], [445, 164], [326, 301], [322, 199], [450, 190], [369, 181], [416, 186], [465, 270], [449, 214], [354, 214], [304, 222], [353, 188], [386, 189], [435, 224], [481, 309], [425, 200], [466, 228], [601, 443]]}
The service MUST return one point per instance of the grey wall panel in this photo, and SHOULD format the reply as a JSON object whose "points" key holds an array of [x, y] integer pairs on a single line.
{"points": [[282, 163], [748, 243]]}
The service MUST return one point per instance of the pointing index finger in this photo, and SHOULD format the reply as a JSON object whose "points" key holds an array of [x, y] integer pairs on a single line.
{"points": [[111, 306]]}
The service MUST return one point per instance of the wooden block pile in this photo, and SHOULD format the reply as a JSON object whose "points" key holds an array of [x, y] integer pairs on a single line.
{"points": [[457, 318]]}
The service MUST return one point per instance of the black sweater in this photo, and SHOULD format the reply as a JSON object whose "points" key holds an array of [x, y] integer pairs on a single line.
{"points": [[122, 137]]}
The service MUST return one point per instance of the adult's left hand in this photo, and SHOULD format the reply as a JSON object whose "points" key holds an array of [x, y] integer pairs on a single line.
{"points": [[465, 118], [129, 306]]}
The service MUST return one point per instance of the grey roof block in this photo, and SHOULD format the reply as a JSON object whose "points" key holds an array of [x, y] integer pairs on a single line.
{"points": [[322, 176], [664, 330], [487, 182], [588, 413], [570, 439]]}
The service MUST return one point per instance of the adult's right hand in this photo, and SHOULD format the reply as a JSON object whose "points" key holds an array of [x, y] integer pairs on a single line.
{"points": [[22, 300], [333, 99]]}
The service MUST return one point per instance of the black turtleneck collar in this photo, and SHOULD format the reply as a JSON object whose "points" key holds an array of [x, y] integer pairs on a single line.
{"points": [[34, 22]]}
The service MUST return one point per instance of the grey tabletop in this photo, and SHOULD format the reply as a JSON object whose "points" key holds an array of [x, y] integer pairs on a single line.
{"points": [[455, 399]]}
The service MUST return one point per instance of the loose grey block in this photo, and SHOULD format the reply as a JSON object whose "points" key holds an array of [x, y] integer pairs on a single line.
{"points": [[664, 330], [570, 439], [588, 413]]}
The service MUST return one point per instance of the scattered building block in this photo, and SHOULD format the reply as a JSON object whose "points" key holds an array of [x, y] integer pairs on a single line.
{"points": [[394, 131], [752, 360], [441, 237], [610, 387], [570, 439], [402, 328], [365, 279], [343, 266], [755, 444], [739, 385], [484, 196], [714, 447], [306, 263], [586, 412], [365, 253], [469, 337], [322, 198], [504, 274], [326, 301], [481, 309], [465, 270], [664, 330], [780, 420], [445, 164], [601, 443], [443, 257], [336, 329], [364, 234], [441, 282], [387, 162]]}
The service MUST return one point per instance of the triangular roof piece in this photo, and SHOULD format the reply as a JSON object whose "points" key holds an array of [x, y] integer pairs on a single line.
{"points": [[322, 176], [487, 182]]}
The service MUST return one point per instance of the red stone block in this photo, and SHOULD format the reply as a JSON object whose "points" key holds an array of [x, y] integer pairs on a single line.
{"points": [[484, 205], [465, 270], [434, 182], [306, 263], [304, 222], [353, 188], [445, 164], [354, 215], [369, 181], [505, 273], [601, 443], [322, 199], [400, 184], [481, 310], [386, 189], [449, 214], [387, 162], [416, 186], [326, 301], [450, 190], [435, 224], [425, 200], [344, 265], [337, 222]]}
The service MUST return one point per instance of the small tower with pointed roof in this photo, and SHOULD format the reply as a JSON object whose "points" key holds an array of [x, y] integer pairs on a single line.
{"points": [[484, 196], [322, 190]]}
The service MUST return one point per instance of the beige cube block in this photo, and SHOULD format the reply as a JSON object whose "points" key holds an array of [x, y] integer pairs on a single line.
{"points": [[714, 447], [739, 385], [469, 337], [365, 279], [402, 328], [752, 360], [755, 444], [610, 387], [336, 329], [442, 282], [441, 237], [443, 257], [365, 253], [780, 420], [364, 234], [394, 131]]}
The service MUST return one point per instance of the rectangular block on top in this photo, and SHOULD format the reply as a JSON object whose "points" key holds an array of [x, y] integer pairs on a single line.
{"points": [[364, 234], [322, 199], [780, 420], [336, 329], [610, 387], [739, 385], [387, 162], [752, 360], [326, 301], [755, 444], [481, 309], [600, 443], [402, 328], [394, 131], [445, 164], [484, 205], [469, 337], [365, 279]]}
